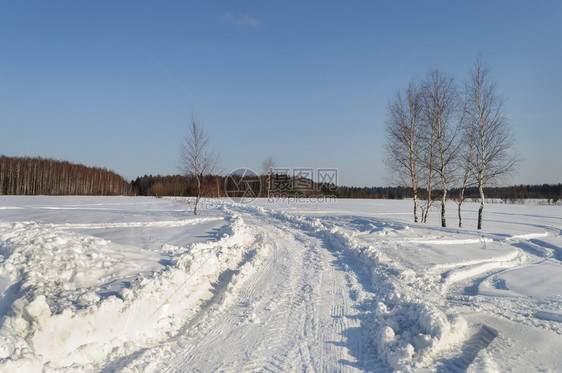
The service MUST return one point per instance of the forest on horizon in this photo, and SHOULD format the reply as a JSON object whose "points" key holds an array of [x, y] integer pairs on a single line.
{"points": [[39, 176]]}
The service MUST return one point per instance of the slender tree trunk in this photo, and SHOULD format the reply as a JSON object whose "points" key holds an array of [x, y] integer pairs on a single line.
{"points": [[413, 173], [465, 180], [442, 173], [429, 190], [444, 184], [461, 197], [268, 185], [460, 216], [415, 188], [481, 176], [197, 178], [443, 200], [430, 176], [428, 204], [482, 155], [482, 200], [415, 206]]}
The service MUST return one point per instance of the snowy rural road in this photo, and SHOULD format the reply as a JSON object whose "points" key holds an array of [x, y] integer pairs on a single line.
{"points": [[297, 311], [140, 284]]}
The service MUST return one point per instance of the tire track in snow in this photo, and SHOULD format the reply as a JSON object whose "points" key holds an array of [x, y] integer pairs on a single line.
{"points": [[465, 292], [291, 314], [208, 351]]}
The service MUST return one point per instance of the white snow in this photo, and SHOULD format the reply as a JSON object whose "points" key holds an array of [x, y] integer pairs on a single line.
{"points": [[141, 284]]}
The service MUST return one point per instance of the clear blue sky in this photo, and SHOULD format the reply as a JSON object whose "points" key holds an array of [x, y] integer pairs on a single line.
{"points": [[78, 80]]}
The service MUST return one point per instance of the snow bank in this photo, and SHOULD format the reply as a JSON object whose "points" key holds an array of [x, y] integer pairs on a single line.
{"points": [[411, 323], [143, 224], [411, 332], [54, 316]]}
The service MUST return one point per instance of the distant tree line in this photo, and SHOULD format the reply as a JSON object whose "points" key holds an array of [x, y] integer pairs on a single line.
{"points": [[178, 186], [375, 192], [508, 194], [549, 192], [39, 176], [215, 185]]}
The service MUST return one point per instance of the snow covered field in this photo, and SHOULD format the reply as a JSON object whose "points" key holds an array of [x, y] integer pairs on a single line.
{"points": [[140, 284]]}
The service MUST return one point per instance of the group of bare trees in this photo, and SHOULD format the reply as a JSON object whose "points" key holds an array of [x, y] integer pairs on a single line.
{"points": [[440, 136], [33, 176]]}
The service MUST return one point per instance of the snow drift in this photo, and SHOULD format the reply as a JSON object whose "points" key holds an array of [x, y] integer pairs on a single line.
{"points": [[55, 313]]}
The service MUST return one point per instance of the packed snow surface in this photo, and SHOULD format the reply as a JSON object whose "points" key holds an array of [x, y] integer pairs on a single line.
{"points": [[141, 284]]}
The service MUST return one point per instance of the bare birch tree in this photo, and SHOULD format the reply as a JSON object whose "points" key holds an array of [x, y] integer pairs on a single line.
{"points": [[464, 164], [427, 155], [268, 168], [443, 114], [402, 136], [493, 156], [195, 157]]}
